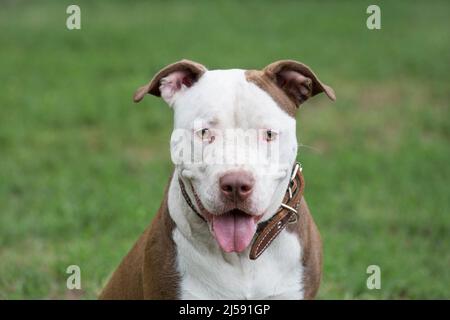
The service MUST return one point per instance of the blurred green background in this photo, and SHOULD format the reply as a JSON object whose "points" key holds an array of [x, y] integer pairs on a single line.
{"points": [[83, 169]]}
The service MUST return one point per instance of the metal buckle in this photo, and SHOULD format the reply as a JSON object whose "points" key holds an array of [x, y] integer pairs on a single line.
{"points": [[293, 218], [294, 172], [289, 208], [297, 167]]}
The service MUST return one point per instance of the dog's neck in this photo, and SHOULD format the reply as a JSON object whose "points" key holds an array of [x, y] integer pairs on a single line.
{"points": [[209, 272], [192, 227]]}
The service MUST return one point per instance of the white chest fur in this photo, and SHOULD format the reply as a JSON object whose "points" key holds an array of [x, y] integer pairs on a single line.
{"points": [[208, 273]]}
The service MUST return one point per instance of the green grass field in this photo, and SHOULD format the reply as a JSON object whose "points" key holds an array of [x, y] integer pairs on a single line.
{"points": [[83, 169]]}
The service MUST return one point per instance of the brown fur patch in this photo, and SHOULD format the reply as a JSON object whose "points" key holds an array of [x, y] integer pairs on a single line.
{"points": [[309, 237], [262, 80], [149, 269], [287, 95], [275, 68], [194, 69]]}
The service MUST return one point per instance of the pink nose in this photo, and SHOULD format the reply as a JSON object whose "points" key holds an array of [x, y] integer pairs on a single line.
{"points": [[237, 185]]}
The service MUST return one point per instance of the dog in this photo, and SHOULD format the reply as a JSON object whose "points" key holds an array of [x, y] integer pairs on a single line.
{"points": [[229, 229]]}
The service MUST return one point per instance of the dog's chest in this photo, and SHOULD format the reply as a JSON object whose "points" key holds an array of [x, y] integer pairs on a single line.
{"points": [[207, 273]]}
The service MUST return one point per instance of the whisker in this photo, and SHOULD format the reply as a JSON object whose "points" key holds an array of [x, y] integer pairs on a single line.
{"points": [[301, 145]]}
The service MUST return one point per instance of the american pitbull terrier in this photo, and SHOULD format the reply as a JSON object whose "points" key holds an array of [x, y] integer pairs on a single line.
{"points": [[233, 223]]}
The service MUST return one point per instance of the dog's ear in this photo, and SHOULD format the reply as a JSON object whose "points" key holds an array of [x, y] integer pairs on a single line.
{"points": [[297, 80], [171, 80]]}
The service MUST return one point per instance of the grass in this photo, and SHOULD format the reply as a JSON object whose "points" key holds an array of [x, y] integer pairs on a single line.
{"points": [[83, 169]]}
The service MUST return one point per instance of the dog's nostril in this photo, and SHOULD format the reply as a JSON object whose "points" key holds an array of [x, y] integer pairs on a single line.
{"points": [[246, 188], [227, 188]]}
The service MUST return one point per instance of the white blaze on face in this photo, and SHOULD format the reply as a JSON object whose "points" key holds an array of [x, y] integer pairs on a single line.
{"points": [[237, 113]]}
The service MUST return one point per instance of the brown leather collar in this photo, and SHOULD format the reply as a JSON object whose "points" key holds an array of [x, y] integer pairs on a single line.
{"points": [[188, 200], [268, 230], [287, 213]]}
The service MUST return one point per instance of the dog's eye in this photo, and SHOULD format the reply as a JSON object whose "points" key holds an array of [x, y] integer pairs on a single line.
{"points": [[205, 135], [270, 135]]}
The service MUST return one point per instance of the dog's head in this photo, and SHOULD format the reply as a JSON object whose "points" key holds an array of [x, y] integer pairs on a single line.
{"points": [[234, 140]]}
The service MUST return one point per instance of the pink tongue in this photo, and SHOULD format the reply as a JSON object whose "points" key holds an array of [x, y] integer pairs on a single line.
{"points": [[233, 231]]}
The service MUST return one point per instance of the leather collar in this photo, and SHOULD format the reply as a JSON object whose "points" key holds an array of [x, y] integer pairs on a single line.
{"points": [[268, 230]]}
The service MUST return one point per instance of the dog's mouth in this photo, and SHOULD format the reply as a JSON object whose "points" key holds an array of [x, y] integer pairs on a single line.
{"points": [[234, 229]]}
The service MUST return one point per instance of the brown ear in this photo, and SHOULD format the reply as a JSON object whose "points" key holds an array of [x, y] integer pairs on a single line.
{"points": [[171, 79], [297, 80]]}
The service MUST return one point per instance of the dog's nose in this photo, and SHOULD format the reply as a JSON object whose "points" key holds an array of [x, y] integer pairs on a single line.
{"points": [[236, 185]]}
